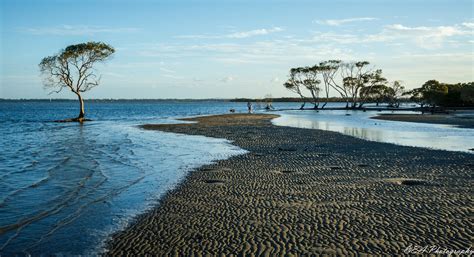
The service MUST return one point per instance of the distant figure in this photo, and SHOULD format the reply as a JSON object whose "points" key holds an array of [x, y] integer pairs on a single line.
{"points": [[232, 110], [249, 107], [269, 107]]}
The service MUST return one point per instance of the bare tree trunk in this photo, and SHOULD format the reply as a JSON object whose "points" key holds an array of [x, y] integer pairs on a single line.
{"points": [[302, 106], [81, 106]]}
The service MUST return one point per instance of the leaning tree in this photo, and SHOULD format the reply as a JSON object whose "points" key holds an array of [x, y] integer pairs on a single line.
{"points": [[73, 69], [295, 83]]}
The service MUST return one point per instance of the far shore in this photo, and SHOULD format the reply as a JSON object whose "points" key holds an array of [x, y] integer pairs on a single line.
{"points": [[447, 119]]}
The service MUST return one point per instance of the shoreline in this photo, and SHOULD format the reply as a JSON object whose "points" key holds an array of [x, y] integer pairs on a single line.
{"points": [[443, 119], [302, 191]]}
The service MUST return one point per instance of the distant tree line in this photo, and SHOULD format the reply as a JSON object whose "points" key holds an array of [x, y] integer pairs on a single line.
{"points": [[356, 84], [434, 93], [288, 99]]}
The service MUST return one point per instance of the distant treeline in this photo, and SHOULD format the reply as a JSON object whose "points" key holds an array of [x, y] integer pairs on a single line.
{"points": [[297, 99], [271, 99], [116, 100], [434, 93]]}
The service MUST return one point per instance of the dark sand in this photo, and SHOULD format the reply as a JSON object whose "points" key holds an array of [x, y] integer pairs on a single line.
{"points": [[430, 118], [302, 191]]}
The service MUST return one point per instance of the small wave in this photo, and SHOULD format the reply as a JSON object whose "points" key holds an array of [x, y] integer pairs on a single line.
{"points": [[16, 192]]}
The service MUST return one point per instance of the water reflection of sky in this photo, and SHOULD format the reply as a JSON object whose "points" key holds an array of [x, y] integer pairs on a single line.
{"points": [[359, 124]]}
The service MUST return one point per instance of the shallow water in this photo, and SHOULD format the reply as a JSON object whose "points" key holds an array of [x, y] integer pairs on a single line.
{"points": [[64, 187], [359, 124]]}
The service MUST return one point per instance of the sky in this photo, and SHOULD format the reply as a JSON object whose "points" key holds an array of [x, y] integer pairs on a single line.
{"points": [[236, 48]]}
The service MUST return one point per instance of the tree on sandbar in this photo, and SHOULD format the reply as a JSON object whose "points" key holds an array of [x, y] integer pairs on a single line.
{"points": [[73, 68]]}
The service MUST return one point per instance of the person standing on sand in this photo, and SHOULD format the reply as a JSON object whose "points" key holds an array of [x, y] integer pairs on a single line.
{"points": [[249, 107]]}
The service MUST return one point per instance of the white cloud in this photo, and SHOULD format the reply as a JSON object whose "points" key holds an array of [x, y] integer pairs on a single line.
{"points": [[344, 21], [459, 56], [422, 36], [114, 74], [254, 32], [77, 30], [241, 34], [468, 24], [264, 52], [275, 80], [227, 79], [166, 70], [171, 76], [311, 49], [337, 38]]}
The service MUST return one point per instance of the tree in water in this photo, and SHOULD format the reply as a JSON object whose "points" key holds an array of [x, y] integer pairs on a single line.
{"points": [[311, 82], [356, 76], [295, 83], [305, 77], [377, 93], [394, 92], [372, 80], [72, 68], [329, 70]]}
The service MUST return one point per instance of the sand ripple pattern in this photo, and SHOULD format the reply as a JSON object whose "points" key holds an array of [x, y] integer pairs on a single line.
{"points": [[302, 192]]}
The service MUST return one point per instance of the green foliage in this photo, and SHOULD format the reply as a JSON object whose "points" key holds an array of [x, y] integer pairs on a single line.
{"points": [[353, 81], [435, 93], [304, 78], [381, 92], [467, 93], [73, 67], [97, 51]]}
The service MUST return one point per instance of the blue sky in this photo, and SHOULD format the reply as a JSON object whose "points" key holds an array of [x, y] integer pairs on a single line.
{"points": [[208, 49]]}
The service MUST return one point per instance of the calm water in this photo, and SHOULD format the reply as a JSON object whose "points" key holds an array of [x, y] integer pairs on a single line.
{"points": [[65, 187], [359, 124]]}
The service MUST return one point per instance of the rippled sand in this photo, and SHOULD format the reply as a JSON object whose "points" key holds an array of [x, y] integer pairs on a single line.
{"points": [[302, 191], [462, 122]]}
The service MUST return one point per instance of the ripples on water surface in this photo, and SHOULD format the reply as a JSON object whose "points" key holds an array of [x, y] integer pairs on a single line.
{"points": [[64, 186]]}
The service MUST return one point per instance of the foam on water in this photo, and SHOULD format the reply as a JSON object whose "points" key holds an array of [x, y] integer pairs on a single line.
{"points": [[65, 187]]}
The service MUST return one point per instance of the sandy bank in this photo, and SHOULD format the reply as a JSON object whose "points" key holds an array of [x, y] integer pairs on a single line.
{"points": [[302, 191], [430, 118]]}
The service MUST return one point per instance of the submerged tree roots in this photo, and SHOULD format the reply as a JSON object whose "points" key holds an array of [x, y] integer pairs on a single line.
{"points": [[80, 120]]}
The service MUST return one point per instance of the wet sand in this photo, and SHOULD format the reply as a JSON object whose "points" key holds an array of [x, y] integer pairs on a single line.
{"points": [[430, 118], [301, 191]]}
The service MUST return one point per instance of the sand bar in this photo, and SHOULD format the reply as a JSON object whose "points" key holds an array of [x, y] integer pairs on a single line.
{"points": [[447, 119], [301, 191]]}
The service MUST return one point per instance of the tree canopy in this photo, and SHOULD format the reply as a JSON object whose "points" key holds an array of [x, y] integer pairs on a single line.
{"points": [[73, 68], [435, 93], [353, 81]]}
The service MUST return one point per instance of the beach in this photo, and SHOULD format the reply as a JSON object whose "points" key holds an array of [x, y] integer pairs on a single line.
{"points": [[303, 191], [446, 119]]}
